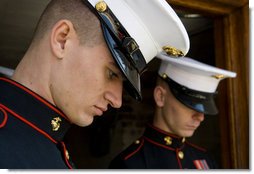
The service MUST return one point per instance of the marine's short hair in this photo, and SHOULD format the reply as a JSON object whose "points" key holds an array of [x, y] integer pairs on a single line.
{"points": [[84, 21]]}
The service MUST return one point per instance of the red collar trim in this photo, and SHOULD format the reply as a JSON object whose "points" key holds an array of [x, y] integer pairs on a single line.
{"points": [[164, 132], [35, 96], [158, 144]]}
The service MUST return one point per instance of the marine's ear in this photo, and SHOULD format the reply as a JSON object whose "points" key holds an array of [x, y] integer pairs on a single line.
{"points": [[159, 94], [60, 33]]}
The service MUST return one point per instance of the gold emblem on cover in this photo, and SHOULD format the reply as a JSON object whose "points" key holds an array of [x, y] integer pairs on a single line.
{"points": [[218, 76], [171, 51], [55, 123], [101, 6]]}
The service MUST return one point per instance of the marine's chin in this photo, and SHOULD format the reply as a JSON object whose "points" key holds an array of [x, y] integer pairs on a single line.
{"points": [[84, 121], [187, 133]]}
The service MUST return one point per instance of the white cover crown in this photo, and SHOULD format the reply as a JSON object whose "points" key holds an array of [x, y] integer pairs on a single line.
{"points": [[152, 23], [193, 74]]}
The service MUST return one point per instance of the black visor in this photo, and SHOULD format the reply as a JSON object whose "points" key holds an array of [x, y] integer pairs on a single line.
{"points": [[132, 82], [199, 101], [124, 50]]}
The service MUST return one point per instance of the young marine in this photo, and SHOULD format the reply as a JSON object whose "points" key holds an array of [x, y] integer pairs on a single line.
{"points": [[184, 93], [81, 56]]}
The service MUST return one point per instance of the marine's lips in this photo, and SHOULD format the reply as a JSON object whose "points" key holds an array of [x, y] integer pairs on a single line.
{"points": [[99, 110]]}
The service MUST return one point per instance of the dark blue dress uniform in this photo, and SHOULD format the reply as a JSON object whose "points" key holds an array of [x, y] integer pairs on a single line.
{"points": [[157, 149], [31, 130]]}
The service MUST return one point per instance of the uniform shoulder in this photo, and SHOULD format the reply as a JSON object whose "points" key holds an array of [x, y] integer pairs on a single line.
{"points": [[125, 159], [132, 149]]}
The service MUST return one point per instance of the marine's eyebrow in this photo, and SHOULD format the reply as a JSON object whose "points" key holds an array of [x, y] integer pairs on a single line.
{"points": [[117, 69]]}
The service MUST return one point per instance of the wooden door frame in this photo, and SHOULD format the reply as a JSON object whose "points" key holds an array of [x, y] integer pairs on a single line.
{"points": [[231, 33]]}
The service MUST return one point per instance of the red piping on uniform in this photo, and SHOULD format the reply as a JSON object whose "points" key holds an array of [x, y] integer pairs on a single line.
{"points": [[65, 158], [5, 118], [35, 96], [141, 144], [195, 146], [153, 142], [178, 160], [166, 147], [28, 123], [164, 132]]}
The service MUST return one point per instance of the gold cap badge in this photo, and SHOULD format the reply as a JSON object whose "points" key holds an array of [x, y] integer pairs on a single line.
{"points": [[101, 6], [218, 76], [171, 51]]}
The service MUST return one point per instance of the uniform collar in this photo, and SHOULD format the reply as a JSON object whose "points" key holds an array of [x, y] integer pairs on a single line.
{"points": [[163, 138], [33, 110]]}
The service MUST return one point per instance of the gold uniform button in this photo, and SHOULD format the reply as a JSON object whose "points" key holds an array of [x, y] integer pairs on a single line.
{"points": [[137, 142], [164, 76], [180, 154], [183, 140], [67, 155]]}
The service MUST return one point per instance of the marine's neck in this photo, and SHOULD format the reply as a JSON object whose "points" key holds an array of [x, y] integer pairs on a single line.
{"points": [[33, 72]]}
